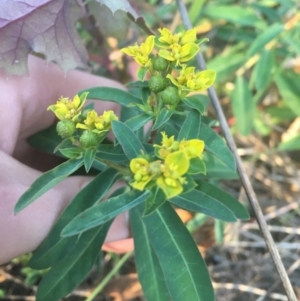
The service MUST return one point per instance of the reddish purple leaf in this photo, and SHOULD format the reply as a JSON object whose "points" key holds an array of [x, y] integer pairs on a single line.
{"points": [[43, 26]]}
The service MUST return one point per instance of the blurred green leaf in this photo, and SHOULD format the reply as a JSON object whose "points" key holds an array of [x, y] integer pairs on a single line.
{"points": [[67, 274], [198, 201], [243, 106], [111, 94], [263, 69], [197, 166], [89, 157], [163, 116], [291, 144], [103, 212], [191, 126], [289, 89], [155, 199], [184, 269], [46, 181], [216, 145], [147, 264], [219, 231], [263, 39], [71, 152], [55, 247], [111, 153], [138, 121], [225, 198], [131, 145], [195, 10], [244, 16]]}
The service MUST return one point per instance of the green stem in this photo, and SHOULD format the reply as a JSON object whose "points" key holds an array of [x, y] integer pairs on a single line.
{"points": [[118, 167], [108, 277]]}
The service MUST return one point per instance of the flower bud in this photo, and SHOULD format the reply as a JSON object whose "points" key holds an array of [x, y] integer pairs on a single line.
{"points": [[160, 64], [170, 96], [157, 83], [89, 139], [65, 128]]}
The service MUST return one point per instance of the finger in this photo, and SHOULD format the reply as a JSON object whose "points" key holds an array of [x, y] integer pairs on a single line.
{"points": [[25, 231]]}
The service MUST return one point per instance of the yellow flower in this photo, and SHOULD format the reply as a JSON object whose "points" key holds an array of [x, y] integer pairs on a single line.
{"points": [[171, 180], [97, 124], [141, 53], [140, 169], [178, 53], [168, 146], [192, 148], [167, 38], [67, 109], [188, 80]]}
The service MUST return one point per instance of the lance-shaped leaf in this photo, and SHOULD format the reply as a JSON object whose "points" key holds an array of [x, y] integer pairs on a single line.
{"points": [[225, 198], [191, 126], [147, 264], [112, 94], [138, 121], [67, 274], [155, 199], [104, 211], [46, 181], [216, 145], [25, 28], [89, 157], [111, 153], [195, 103], [199, 201], [130, 143], [55, 247], [163, 116], [184, 269]]}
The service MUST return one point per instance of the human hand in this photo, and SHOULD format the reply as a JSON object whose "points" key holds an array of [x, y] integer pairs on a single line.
{"points": [[23, 104]]}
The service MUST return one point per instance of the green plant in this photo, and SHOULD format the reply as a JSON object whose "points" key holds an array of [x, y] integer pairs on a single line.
{"points": [[165, 165]]}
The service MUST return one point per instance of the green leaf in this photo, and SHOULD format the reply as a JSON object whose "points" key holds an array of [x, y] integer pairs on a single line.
{"points": [[263, 39], [104, 211], [225, 198], [67, 274], [131, 145], [141, 73], [147, 264], [138, 121], [216, 145], [155, 199], [289, 89], [243, 106], [184, 269], [189, 184], [263, 69], [112, 94], [55, 247], [194, 103], [199, 201], [219, 231], [197, 165], [89, 157], [235, 14], [46, 181], [191, 126], [71, 152], [163, 116], [291, 144], [111, 153]]}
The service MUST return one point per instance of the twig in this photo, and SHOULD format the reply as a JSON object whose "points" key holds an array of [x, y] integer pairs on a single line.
{"points": [[282, 229], [248, 289], [262, 244], [243, 176]]}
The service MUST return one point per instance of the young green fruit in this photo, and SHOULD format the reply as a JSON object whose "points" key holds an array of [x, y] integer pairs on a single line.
{"points": [[160, 64], [170, 96], [65, 128], [157, 83], [89, 139]]}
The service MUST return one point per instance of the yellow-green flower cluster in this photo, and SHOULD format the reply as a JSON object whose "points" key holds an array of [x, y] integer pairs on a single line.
{"points": [[72, 116], [167, 172]]}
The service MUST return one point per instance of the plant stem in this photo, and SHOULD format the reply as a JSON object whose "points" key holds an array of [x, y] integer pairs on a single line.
{"points": [[123, 170], [242, 173], [108, 277]]}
